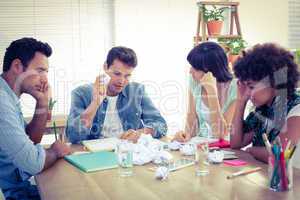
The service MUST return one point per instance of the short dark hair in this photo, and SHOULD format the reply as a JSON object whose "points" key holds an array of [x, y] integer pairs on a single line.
{"points": [[269, 61], [124, 54], [210, 57], [24, 49]]}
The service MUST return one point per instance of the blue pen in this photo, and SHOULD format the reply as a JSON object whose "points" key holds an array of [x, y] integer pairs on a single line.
{"points": [[275, 177]]}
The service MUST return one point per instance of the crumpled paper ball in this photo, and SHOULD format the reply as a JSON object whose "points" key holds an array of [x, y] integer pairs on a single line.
{"points": [[161, 173], [142, 155], [162, 156], [216, 157], [188, 149], [145, 139], [147, 149], [175, 145]]}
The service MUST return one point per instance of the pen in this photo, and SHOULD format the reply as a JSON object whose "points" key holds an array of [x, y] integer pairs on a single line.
{"points": [[243, 172], [292, 152], [287, 150], [288, 145], [55, 131], [278, 141], [267, 143], [284, 180], [275, 177]]}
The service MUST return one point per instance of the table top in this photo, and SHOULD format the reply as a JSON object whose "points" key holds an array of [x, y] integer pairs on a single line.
{"points": [[60, 121], [63, 181]]}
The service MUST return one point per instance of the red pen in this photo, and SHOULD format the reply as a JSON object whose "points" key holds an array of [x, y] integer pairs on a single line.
{"points": [[284, 181]]}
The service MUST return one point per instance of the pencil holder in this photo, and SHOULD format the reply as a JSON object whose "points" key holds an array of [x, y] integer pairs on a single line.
{"points": [[280, 173]]}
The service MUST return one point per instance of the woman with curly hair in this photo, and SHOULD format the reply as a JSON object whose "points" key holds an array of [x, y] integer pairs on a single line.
{"points": [[267, 77], [212, 93]]}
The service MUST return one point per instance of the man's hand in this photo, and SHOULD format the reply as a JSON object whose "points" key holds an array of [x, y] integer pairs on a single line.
{"points": [[56, 151], [99, 89], [60, 149], [131, 135], [182, 136], [41, 93], [99, 93]]}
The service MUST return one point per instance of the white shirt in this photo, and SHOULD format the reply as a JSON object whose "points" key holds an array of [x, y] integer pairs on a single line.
{"points": [[112, 126]]}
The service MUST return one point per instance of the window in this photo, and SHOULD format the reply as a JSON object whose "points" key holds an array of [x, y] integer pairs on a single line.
{"points": [[294, 24], [79, 31]]}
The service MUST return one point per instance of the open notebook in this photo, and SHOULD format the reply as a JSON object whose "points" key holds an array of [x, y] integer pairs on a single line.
{"points": [[90, 162], [104, 144]]}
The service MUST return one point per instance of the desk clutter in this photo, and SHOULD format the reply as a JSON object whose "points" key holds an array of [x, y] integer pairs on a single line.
{"points": [[149, 150]]}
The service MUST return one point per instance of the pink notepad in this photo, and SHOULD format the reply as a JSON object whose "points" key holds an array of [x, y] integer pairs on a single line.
{"points": [[221, 143], [235, 163]]}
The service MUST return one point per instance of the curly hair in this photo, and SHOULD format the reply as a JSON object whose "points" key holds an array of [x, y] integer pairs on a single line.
{"points": [[210, 57], [269, 62], [24, 49]]}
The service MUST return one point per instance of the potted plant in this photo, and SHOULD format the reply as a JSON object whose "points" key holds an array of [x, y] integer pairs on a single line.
{"points": [[234, 47], [50, 108], [214, 19], [297, 56]]}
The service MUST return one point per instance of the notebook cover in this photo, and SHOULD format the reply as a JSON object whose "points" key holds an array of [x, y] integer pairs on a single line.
{"points": [[90, 162]]}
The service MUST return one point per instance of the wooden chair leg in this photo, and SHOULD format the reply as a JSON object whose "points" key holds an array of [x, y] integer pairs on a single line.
{"points": [[237, 22], [232, 13], [198, 28]]}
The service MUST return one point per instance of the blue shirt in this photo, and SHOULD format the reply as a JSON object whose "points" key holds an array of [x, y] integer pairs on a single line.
{"points": [[135, 110], [19, 157]]}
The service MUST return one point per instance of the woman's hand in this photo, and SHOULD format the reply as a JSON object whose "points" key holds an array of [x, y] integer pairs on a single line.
{"points": [[243, 93], [131, 135], [209, 83], [182, 136]]}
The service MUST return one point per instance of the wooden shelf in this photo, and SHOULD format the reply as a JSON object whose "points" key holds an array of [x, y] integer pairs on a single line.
{"points": [[210, 3], [219, 36], [201, 32]]}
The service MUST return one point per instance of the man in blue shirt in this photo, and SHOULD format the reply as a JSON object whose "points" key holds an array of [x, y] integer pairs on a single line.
{"points": [[117, 109], [25, 68]]}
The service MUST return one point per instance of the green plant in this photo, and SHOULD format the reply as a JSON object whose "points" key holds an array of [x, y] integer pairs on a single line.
{"points": [[214, 14], [234, 45], [51, 104], [297, 56]]}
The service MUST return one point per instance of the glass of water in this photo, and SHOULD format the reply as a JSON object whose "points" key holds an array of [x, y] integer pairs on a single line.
{"points": [[124, 153], [201, 159]]}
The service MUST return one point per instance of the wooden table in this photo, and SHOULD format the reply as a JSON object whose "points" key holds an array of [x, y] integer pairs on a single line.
{"points": [[63, 182]]}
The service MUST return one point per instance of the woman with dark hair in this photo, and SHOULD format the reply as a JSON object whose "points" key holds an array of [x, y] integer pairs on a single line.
{"points": [[212, 93], [268, 77]]}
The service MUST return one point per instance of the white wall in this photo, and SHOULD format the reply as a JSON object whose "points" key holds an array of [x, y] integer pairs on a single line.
{"points": [[264, 21], [161, 32]]}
